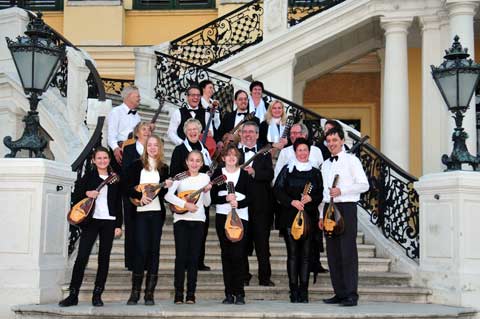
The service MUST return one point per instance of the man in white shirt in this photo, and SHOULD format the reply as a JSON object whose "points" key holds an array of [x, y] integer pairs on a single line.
{"points": [[287, 154], [342, 249], [180, 116], [121, 121], [207, 93]]}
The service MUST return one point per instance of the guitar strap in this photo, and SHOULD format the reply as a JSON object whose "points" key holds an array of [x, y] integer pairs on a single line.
{"points": [[206, 156]]}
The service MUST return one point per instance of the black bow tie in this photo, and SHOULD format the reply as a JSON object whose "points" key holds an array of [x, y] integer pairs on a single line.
{"points": [[333, 158], [246, 149], [132, 112], [242, 114]]}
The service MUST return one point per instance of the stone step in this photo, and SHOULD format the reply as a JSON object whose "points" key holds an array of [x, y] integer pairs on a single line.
{"points": [[212, 309], [215, 291], [277, 262], [165, 278], [212, 248]]}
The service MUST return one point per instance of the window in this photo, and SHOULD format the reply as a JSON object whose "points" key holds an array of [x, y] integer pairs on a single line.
{"points": [[42, 5], [173, 4]]}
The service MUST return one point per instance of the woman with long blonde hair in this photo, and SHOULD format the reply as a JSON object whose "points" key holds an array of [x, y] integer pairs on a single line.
{"points": [[271, 130], [150, 218]]}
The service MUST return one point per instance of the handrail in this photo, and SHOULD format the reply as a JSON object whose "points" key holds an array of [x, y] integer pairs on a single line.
{"points": [[95, 78], [391, 201], [222, 37], [94, 141]]}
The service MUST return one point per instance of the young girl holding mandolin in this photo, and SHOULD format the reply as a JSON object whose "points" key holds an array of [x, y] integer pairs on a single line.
{"points": [[289, 190], [188, 227], [104, 221], [232, 252], [150, 168]]}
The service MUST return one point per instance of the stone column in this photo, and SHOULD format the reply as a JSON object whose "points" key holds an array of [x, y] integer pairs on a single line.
{"points": [[13, 22], [279, 76], [449, 237], [395, 113], [146, 74], [298, 91], [77, 88], [434, 110], [35, 198], [461, 13]]}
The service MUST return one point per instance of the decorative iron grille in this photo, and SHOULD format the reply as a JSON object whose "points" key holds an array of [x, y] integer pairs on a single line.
{"points": [[300, 10], [60, 80], [391, 201], [222, 37], [115, 86]]}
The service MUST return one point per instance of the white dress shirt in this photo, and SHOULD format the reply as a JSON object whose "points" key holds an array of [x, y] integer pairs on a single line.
{"points": [[216, 117], [287, 155], [248, 155], [224, 209], [175, 121], [259, 109], [352, 180], [120, 124], [101, 203]]}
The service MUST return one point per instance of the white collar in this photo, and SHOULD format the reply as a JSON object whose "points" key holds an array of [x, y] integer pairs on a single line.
{"points": [[300, 166]]}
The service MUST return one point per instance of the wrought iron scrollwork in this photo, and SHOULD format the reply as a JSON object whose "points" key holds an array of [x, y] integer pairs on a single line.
{"points": [[222, 37], [60, 80], [300, 10], [115, 86], [392, 202]]}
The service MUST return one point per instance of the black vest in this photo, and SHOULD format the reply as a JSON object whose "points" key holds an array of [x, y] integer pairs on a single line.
{"points": [[185, 115]]}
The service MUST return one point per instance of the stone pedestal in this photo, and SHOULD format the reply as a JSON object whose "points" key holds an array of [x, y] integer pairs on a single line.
{"points": [[34, 201], [450, 236]]}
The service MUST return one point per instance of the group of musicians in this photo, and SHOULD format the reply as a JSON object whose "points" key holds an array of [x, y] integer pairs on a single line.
{"points": [[245, 142]]}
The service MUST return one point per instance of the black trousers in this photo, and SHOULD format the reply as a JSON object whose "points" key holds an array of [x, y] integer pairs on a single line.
{"points": [[201, 257], [148, 232], [129, 214], [258, 237], [233, 255], [298, 260], [188, 241], [342, 255], [105, 230]]}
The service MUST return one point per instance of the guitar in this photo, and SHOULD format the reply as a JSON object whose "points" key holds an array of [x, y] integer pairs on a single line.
{"points": [[288, 125], [133, 139], [264, 150], [209, 141], [82, 209], [333, 220], [151, 190], [301, 226], [193, 196], [233, 224]]}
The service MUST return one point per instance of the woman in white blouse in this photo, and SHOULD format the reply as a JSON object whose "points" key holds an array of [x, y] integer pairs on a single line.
{"points": [[271, 130], [188, 227]]}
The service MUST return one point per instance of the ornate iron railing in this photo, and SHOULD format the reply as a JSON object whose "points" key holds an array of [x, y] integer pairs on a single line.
{"points": [[115, 86], [222, 37], [81, 165], [300, 10], [392, 202]]}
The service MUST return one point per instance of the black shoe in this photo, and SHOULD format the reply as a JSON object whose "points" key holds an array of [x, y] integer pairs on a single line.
{"points": [[267, 283], [150, 285], [178, 300], [136, 287], [322, 270], [228, 300], [204, 268], [190, 299], [97, 297], [71, 300], [334, 300], [240, 300], [293, 296], [348, 302], [303, 295]]}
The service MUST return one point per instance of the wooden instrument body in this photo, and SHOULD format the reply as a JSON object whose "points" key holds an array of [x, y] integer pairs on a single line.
{"points": [[301, 224], [150, 190], [233, 224], [209, 141], [333, 224]]}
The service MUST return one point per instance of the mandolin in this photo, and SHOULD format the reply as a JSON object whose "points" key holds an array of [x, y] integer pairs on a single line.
{"points": [[233, 224], [264, 150], [151, 190], [82, 209], [232, 136], [288, 125], [300, 226], [193, 196], [133, 139], [209, 141], [333, 220]]}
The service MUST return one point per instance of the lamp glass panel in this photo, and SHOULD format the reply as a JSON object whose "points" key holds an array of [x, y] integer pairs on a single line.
{"points": [[466, 83], [45, 63], [448, 85], [23, 61]]}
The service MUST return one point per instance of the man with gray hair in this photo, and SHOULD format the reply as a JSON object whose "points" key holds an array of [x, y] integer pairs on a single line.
{"points": [[121, 121]]}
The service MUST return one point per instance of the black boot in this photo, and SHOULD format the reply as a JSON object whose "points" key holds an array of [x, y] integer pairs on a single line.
{"points": [[178, 297], [150, 285], [136, 288], [71, 300], [97, 296], [303, 293], [294, 293]]}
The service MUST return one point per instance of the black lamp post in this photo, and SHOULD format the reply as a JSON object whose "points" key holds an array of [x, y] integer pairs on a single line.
{"points": [[457, 78], [37, 58]]}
